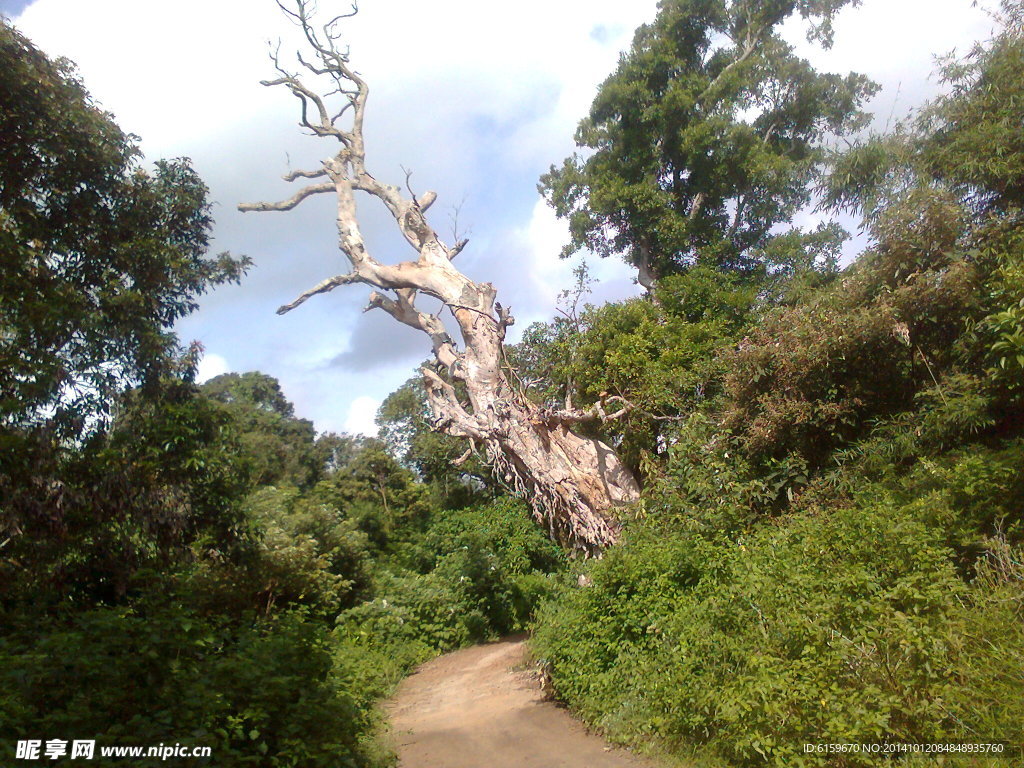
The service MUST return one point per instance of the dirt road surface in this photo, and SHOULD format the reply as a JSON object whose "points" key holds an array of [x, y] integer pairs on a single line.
{"points": [[475, 709]]}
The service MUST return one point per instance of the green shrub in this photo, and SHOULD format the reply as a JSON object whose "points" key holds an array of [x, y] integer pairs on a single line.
{"points": [[475, 574], [260, 692], [987, 633], [835, 626]]}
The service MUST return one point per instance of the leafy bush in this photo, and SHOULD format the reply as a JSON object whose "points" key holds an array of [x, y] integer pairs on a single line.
{"points": [[155, 673], [309, 553], [476, 574], [837, 626]]}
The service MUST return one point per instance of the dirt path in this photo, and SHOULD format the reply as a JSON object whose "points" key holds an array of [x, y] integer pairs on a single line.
{"points": [[472, 709]]}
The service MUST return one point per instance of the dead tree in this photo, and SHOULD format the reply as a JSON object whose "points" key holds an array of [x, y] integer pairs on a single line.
{"points": [[573, 483]]}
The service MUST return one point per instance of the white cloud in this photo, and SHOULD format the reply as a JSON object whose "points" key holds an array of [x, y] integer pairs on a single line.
{"points": [[211, 366], [543, 238], [175, 72], [895, 44], [171, 72], [360, 416]]}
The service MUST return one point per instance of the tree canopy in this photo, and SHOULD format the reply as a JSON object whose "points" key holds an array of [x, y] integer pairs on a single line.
{"points": [[706, 137], [99, 256]]}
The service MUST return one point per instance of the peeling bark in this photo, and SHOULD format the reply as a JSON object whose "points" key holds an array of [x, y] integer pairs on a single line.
{"points": [[574, 484]]}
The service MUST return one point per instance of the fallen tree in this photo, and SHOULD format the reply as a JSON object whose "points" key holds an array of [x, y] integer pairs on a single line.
{"points": [[573, 483]]}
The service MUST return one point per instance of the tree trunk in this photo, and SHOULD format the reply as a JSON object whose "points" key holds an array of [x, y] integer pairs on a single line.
{"points": [[573, 483]]}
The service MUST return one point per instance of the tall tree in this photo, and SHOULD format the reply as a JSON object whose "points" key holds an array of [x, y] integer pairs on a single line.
{"points": [[574, 483], [705, 138], [99, 257]]}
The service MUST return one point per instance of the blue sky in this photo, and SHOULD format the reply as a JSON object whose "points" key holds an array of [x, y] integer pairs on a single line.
{"points": [[477, 99], [13, 7]]}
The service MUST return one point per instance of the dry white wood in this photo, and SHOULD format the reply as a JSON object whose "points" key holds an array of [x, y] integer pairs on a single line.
{"points": [[573, 483]]}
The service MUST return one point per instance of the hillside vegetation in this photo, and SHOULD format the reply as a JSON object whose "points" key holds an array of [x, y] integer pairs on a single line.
{"points": [[829, 549], [830, 543]]}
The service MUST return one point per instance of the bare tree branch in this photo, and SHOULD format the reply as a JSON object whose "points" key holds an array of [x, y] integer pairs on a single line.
{"points": [[596, 412], [291, 202], [427, 200], [449, 414], [456, 249], [505, 318], [293, 175], [403, 309], [323, 287]]}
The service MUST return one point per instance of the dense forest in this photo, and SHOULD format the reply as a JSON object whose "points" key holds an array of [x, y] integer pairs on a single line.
{"points": [[828, 546]]}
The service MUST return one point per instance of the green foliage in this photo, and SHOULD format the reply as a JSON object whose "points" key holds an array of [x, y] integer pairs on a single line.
{"points": [[813, 377], [972, 494], [841, 626], [381, 495], [158, 672], [709, 485], [133, 578], [1003, 329], [280, 447], [660, 356], [405, 427], [705, 138], [310, 553], [973, 141], [967, 141], [989, 644], [214, 602], [475, 574], [99, 256], [81, 525], [831, 549]]}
